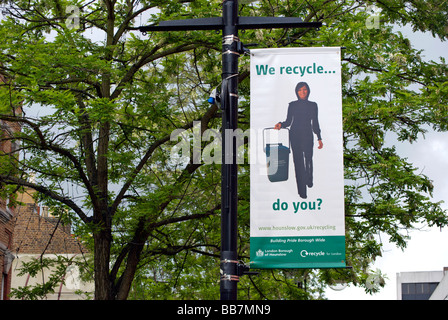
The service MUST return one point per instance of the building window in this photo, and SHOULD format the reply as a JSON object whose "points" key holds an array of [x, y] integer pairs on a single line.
{"points": [[5, 209], [418, 290]]}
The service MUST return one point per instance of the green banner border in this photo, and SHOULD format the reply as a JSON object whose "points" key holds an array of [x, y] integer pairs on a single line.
{"points": [[297, 252]]}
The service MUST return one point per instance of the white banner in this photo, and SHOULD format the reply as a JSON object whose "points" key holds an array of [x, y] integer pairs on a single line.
{"points": [[297, 184]]}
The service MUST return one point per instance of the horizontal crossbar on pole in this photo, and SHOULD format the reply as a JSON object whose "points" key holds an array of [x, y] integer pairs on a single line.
{"points": [[275, 22], [186, 24], [243, 23]]}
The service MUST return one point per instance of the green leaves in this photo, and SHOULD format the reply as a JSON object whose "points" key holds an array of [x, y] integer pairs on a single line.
{"points": [[100, 102]]}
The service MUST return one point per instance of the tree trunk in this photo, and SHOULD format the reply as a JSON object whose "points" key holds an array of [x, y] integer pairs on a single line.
{"points": [[102, 216], [103, 285], [129, 273]]}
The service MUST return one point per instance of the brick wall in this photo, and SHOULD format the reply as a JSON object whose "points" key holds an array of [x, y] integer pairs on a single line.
{"points": [[36, 234]]}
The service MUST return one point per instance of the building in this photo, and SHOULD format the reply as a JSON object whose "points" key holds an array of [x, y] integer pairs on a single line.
{"points": [[423, 285], [8, 149], [6, 240], [38, 234]]}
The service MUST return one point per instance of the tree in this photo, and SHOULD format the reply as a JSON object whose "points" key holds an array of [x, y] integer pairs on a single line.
{"points": [[109, 99]]}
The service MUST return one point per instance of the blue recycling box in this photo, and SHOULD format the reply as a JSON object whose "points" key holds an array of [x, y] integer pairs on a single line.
{"points": [[277, 157]]}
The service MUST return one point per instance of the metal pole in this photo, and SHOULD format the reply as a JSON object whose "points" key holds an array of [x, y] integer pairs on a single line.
{"points": [[229, 104], [231, 49]]}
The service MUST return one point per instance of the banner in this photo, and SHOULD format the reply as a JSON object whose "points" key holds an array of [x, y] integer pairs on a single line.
{"points": [[296, 155]]}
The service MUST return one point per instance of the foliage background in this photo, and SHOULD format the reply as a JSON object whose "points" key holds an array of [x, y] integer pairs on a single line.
{"points": [[108, 106]]}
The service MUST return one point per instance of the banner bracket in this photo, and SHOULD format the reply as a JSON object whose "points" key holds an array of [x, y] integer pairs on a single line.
{"points": [[244, 269]]}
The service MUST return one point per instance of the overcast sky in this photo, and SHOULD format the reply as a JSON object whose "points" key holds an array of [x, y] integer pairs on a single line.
{"points": [[427, 250]]}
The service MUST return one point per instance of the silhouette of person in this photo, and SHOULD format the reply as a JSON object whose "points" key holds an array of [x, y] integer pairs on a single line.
{"points": [[302, 118]]}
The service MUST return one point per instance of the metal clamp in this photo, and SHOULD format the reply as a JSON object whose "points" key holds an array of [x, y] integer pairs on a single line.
{"points": [[230, 277], [229, 261], [241, 269], [231, 52], [228, 40]]}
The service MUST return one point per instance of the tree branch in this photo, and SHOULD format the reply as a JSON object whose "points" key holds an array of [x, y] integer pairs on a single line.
{"points": [[46, 145], [149, 57], [204, 122], [10, 180]]}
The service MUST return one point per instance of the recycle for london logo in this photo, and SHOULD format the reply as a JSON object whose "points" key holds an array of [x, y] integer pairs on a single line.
{"points": [[305, 253]]}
